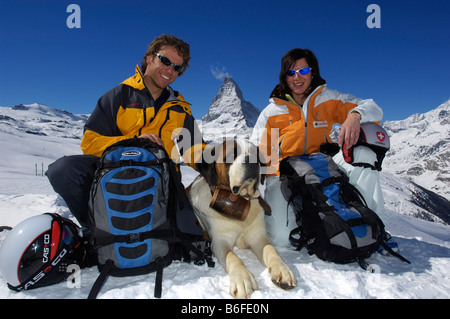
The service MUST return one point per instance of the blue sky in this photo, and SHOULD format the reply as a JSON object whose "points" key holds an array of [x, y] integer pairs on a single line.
{"points": [[403, 65]]}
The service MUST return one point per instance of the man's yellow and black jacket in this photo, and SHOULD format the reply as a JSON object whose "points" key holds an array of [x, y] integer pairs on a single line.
{"points": [[129, 110]]}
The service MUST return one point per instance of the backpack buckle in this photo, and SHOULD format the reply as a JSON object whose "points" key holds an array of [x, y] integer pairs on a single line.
{"points": [[128, 162], [134, 238]]}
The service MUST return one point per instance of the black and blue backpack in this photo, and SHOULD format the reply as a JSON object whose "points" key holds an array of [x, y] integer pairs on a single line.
{"points": [[139, 214], [333, 220]]}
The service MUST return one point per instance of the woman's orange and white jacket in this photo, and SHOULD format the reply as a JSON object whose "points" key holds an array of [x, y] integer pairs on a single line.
{"points": [[285, 129], [128, 111]]}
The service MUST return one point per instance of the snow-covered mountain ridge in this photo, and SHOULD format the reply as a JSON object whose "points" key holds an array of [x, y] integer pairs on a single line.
{"points": [[39, 119], [420, 149]]}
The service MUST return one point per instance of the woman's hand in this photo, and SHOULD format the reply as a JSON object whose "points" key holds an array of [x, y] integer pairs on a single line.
{"points": [[350, 130]]}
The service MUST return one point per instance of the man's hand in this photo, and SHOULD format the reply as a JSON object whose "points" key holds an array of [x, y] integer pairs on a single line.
{"points": [[153, 137], [350, 130]]}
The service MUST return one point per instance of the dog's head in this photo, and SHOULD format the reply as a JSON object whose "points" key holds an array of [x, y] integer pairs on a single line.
{"points": [[234, 164]]}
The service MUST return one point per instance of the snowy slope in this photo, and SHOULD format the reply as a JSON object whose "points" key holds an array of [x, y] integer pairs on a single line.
{"points": [[425, 243], [35, 135]]}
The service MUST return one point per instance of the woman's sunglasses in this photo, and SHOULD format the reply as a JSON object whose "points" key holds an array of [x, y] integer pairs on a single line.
{"points": [[166, 61], [301, 71]]}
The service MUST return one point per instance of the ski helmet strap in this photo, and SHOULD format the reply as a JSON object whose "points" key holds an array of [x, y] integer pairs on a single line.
{"points": [[349, 156]]}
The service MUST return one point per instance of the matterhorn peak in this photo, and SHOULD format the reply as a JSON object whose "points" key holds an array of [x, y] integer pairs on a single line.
{"points": [[229, 114], [229, 94], [230, 84]]}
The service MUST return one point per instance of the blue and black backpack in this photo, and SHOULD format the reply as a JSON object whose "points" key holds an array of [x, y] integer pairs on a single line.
{"points": [[139, 214], [334, 223]]}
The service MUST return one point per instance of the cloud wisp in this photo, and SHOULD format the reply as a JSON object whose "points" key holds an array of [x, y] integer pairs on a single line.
{"points": [[219, 73]]}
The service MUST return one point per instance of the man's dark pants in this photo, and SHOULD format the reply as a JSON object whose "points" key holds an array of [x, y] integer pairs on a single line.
{"points": [[71, 177]]}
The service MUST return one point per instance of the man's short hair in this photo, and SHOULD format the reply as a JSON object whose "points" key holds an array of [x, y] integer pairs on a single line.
{"points": [[168, 40]]}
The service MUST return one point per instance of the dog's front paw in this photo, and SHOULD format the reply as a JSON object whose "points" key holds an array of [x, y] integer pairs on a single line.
{"points": [[282, 276], [242, 283]]}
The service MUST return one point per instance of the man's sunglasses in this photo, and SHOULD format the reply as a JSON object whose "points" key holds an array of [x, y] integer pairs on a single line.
{"points": [[302, 71], [164, 60]]}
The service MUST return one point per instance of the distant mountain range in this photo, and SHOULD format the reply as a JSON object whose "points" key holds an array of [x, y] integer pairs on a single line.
{"points": [[420, 149], [39, 119]]}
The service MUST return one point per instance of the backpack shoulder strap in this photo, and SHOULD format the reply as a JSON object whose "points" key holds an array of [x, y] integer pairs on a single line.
{"points": [[393, 253], [104, 274], [297, 238]]}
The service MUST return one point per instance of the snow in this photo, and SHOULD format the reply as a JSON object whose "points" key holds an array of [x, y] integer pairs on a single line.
{"points": [[23, 194], [426, 244]]}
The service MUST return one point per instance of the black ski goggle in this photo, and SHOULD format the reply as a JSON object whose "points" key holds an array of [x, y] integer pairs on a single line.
{"points": [[166, 61]]}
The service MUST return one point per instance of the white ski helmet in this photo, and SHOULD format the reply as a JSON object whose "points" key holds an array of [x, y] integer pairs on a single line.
{"points": [[38, 250], [373, 136]]}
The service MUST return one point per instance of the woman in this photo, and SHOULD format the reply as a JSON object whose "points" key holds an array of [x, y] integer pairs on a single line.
{"points": [[299, 118]]}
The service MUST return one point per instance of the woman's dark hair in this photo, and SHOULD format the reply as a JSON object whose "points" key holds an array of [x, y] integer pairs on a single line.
{"points": [[290, 58]]}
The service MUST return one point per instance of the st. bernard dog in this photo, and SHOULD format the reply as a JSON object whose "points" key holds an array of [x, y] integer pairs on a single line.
{"points": [[227, 202]]}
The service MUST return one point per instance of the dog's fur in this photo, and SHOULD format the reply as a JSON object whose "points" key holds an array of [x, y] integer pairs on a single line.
{"points": [[235, 166]]}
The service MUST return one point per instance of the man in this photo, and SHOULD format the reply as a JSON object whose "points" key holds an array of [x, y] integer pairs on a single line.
{"points": [[142, 106]]}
